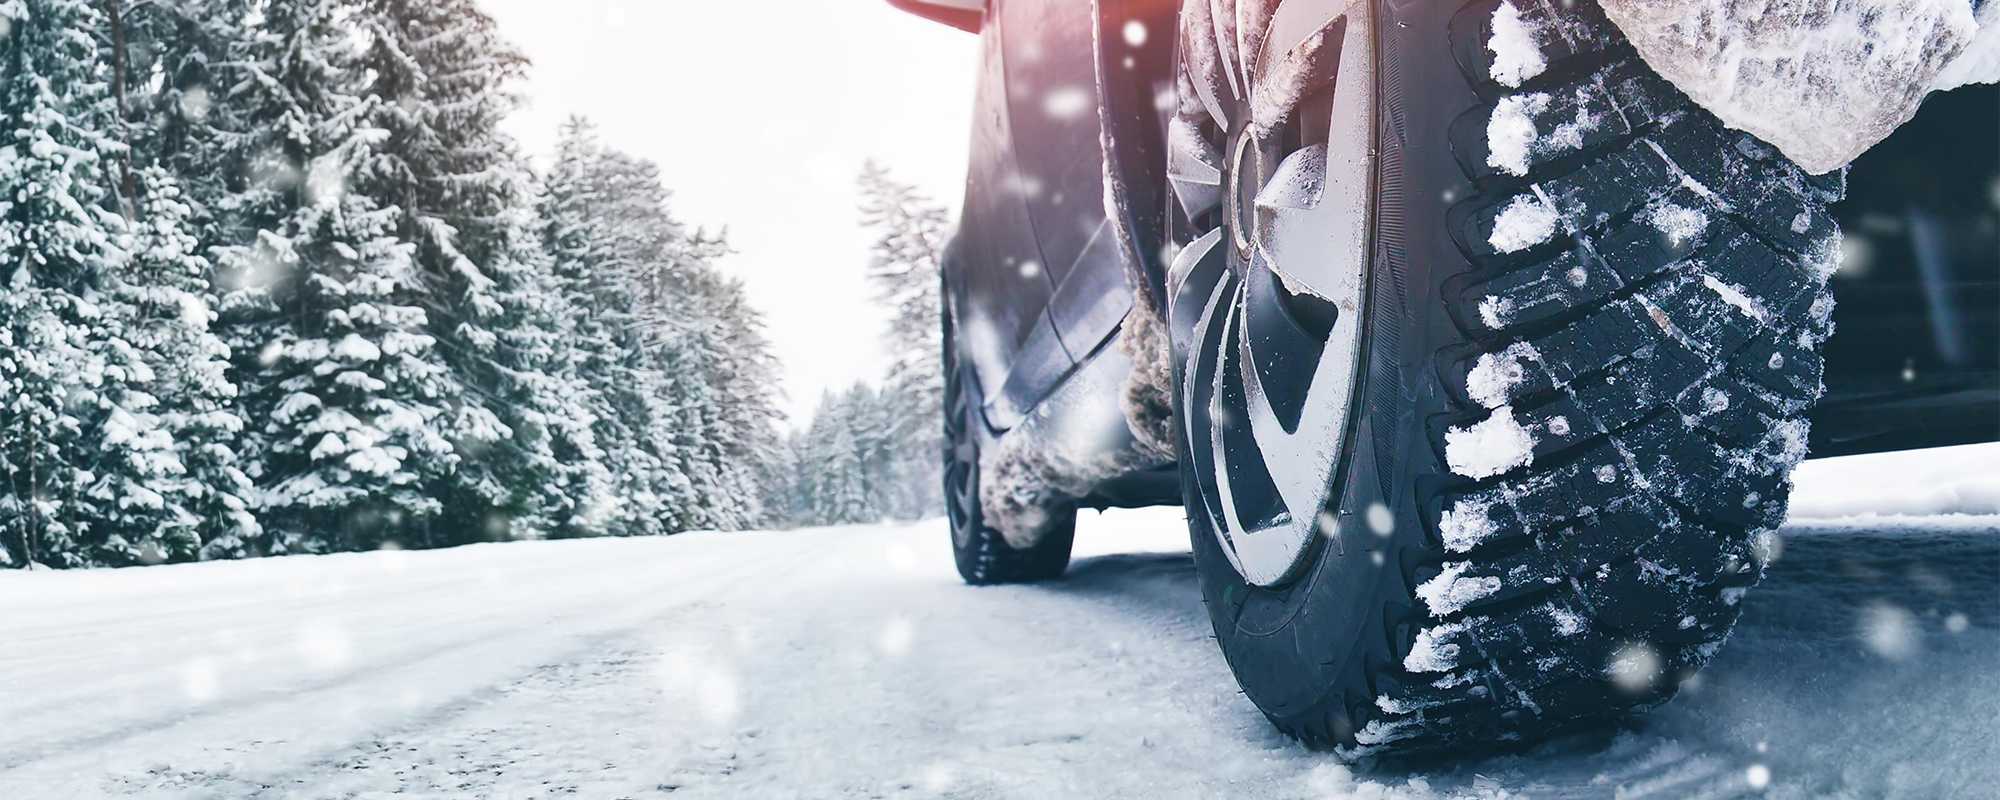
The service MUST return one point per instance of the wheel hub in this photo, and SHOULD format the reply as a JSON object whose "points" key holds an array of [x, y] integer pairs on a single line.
{"points": [[1266, 328]]}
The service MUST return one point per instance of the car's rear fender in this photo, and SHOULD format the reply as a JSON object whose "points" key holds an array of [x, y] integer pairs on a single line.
{"points": [[964, 15]]}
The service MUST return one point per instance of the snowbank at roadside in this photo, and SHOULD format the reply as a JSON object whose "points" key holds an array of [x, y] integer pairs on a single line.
{"points": [[1941, 480]]}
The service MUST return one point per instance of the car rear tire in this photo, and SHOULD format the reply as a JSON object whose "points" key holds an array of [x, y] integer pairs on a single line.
{"points": [[983, 555], [1585, 320]]}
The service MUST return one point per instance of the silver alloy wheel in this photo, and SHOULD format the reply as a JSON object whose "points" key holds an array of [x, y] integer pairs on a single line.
{"points": [[1270, 158]]}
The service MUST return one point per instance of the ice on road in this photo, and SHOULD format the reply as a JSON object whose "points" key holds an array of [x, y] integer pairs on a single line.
{"points": [[851, 662]]}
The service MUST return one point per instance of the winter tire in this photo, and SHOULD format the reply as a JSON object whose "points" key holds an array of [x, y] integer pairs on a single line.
{"points": [[984, 557], [1492, 355]]}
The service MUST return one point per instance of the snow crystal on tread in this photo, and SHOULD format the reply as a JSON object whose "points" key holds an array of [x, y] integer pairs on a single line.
{"points": [[1569, 135], [1734, 296], [1526, 222], [1781, 449], [1391, 705], [1517, 56], [1450, 591], [1510, 132], [1495, 311], [1498, 373], [1465, 525], [1490, 447], [1714, 401], [1379, 732], [1568, 623], [1431, 653], [1679, 223]]}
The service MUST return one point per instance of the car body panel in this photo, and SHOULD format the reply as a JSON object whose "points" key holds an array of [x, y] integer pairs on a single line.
{"points": [[1094, 296], [1035, 270], [1003, 310], [1052, 101]]}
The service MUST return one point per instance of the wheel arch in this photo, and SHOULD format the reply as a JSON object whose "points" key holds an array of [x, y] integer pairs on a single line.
{"points": [[1134, 69]]}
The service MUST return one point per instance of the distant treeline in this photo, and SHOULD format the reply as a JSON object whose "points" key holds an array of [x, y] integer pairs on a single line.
{"points": [[877, 453]]}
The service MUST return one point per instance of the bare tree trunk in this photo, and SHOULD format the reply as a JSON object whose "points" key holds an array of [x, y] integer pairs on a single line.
{"points": [[34, 514], [128, 187]]}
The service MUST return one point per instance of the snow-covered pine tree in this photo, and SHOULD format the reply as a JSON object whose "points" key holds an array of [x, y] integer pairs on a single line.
{"points": [[88, 473], [684, 342], [159, 52], [837, 491], [605, 224], [552, 410], [849, 458], [780, 482], [746, 377], [910, 233], [721, 380], [165, 286], [445, 76], [175, 63], [342, 383]]}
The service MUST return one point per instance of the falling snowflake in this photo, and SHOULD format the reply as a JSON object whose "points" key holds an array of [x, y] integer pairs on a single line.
{"points": [[1635, 667], [1768, 547], [1957, 623], [327, 183], [195, 103], [393, 558], [901, 558], [200, 679], [1381, 520], [324, 645], [1329, 525], [1135, 33], [693, 677], [1066, 103], [938, 778], [1889, 631], [1857, 254], [896, 637]]}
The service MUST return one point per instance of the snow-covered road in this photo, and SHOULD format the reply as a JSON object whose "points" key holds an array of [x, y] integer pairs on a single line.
{"points": [[851, 663]]}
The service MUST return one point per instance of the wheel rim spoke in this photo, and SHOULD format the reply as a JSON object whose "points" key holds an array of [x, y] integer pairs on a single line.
{"points": [[1294, 23], [1198, 43], [1287, 297], [1194, 168], [1224, 26]]}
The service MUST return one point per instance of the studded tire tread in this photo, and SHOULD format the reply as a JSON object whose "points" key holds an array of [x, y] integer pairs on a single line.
{"points": [[1663, 368], [1660, 347]]}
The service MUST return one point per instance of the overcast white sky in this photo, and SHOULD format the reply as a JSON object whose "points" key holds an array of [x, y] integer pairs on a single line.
{"points": [[760, 114]]}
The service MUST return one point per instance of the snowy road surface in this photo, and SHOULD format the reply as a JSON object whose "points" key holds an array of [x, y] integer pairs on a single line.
{"points": [[851, 663]]}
